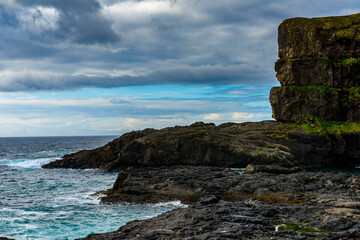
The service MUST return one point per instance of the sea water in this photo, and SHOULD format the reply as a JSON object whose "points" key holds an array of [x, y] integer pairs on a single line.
{"points": [[38, 203]]}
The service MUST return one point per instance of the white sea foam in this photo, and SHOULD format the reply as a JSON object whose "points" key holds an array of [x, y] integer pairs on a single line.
{"points": [[89, 198], [27, 163], [93, 198], [172, 204]]}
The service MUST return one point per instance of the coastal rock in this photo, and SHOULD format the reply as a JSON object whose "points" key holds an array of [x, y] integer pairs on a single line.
{"points": [[318, 69], [159, 184], [226, 145], [303, 205]]}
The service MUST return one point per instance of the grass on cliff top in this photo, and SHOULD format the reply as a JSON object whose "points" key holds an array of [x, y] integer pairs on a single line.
{"points": [[314, 61], [298, 227], [313, 124], [337, 22], [344, 26]]}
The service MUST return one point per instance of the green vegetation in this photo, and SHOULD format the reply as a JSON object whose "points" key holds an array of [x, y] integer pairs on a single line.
{"points": [[313, 87], [307, 60], [351, 32], [313, 61], [348, 62], [340, 22], [298, 227], [355, 91], [313, 124]]}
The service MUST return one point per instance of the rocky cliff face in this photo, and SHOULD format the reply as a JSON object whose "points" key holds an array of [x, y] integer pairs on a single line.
{"points": [[318, 69]]}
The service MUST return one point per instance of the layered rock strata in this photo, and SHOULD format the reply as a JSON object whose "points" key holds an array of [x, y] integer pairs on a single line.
{"points": [[318, 69]]}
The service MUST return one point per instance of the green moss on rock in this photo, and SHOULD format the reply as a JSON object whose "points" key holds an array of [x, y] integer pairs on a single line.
{"points": [[348, 61], [335, 22], [298, 227], [351, 32], [313, 124]]}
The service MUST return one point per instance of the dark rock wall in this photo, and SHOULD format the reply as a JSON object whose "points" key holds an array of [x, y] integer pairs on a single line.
{"points": [[318, 69]]}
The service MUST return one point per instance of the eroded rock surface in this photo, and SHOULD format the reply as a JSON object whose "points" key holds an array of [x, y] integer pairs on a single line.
{"points": [[318, 69], [303, 205]]}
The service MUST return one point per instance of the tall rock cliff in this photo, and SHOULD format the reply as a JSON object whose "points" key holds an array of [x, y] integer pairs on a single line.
{"points": [[318, 69]]}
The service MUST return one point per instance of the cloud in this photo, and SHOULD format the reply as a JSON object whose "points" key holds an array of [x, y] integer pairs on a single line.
{"points": [[49, 45], [8, 18], [32, 80], [246, 115], [79, 21], [212, 116]]}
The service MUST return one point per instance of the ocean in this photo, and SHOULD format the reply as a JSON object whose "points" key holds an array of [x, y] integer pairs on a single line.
{"points": [[38, 203]]}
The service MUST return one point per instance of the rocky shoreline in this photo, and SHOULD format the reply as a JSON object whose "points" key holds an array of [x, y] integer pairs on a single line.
{"points": [[228, 205]]}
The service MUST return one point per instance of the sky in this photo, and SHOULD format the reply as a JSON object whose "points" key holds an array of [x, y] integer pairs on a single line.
{"points": [[105, 67]]}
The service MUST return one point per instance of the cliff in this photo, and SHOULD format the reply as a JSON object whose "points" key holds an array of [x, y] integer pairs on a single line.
{"points": [[318, 69]]}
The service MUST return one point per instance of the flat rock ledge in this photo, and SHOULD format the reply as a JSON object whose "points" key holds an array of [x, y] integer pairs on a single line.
{"points": [[302, 205]]}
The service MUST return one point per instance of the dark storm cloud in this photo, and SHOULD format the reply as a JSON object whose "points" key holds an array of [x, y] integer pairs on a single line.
{"points": [[73, 44], [80, 21]]}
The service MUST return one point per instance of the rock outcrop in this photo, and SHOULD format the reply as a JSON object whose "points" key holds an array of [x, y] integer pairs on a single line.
{"points": [[163, 184], [303, 205], [318, 69], [309, 143]]}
